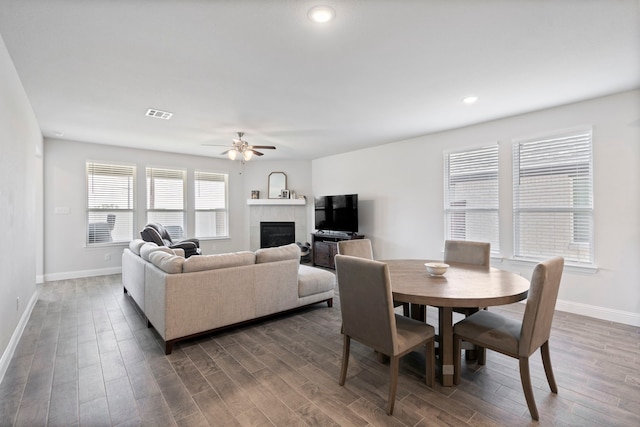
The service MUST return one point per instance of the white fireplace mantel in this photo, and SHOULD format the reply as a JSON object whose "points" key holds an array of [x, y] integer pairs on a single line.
{"points": [[277, 202], [276, 210]]}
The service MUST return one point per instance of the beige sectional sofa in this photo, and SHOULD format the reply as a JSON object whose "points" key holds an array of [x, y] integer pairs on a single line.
{"points": [[183, 298]]}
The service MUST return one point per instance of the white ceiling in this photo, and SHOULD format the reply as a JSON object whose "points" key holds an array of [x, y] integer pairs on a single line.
{"points": [[382, 71]]}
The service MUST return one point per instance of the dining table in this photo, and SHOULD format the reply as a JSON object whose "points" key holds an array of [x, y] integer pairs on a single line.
{"points": [[462, 285]]}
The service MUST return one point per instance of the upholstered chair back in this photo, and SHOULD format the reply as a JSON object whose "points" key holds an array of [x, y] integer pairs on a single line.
{"points": [[541, 303], [366, 302], [467, 252], [360, 248]]}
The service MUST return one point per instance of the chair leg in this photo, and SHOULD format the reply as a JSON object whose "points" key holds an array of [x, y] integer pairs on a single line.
{"points": [[430, 366], [345, 359], [482, 355], [525, 378], [546, 362], [471, 355], [457, 344], [394, 365]]}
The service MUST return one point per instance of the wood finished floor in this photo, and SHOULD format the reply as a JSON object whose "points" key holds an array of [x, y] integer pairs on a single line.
{"points": [[87, 358]]}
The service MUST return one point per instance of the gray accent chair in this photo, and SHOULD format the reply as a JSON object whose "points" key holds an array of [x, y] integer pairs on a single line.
{"points": [[362, 248], [368, 317], [518, 339], [474, 253]]}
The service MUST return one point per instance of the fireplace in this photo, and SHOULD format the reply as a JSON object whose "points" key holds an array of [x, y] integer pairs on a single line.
{"points": [[277, 233]]}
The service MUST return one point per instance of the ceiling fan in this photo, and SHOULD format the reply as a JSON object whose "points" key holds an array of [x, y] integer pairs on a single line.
{"points": [[242, 148]]}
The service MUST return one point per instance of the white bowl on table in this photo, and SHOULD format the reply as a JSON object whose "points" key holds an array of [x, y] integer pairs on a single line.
{"points": [[436, 268]]}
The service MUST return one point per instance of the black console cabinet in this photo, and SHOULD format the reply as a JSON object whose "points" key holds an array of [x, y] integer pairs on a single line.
{"points": [[325, 247]]}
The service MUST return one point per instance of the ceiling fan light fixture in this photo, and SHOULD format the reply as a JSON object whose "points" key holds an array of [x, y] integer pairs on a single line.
{"points": [[321, 14], [240, 149]]}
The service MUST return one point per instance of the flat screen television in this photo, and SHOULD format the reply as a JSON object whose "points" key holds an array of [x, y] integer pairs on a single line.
{"points": [[337, 213]]}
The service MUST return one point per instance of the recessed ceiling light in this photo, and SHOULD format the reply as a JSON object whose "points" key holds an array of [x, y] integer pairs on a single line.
{"points": [[470, 99], [152, 112], [321, 14]]}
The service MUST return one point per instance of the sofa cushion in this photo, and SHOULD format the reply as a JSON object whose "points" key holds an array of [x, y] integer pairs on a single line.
{"points": [[135, 245], [280, 253], [212, 262], [148, 248], [167, 262], [313, 281]]}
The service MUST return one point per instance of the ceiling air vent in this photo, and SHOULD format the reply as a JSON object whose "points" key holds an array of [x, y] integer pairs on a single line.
{"points": [[152, 112]]}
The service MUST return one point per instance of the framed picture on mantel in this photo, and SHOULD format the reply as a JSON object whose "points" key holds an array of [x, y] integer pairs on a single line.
{"points": [[284, 194]]}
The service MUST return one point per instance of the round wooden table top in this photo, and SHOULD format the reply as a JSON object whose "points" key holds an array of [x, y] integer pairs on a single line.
{"points": [[462, 285]]}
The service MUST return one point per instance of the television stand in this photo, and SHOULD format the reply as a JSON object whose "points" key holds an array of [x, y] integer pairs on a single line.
{"points": [[325, 246]]}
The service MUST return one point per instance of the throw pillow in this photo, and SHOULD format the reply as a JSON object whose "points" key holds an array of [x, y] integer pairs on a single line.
{"points": [[148, 248], [167, 262], [135, 245]]}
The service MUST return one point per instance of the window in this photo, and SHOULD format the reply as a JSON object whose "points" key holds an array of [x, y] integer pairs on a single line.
{"points": [[110, 196], [211, 204], [553, 197], [166, 199], [471, 196]]}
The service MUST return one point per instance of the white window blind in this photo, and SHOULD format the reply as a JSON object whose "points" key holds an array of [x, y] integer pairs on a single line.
{"points": [[553, 197], [471, 196], [166, 199], [110, 198], [212, 217]]}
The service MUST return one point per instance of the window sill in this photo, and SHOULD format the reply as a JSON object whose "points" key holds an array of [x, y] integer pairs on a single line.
{"points": [[206, 239], [105, 245], [577, 268]]}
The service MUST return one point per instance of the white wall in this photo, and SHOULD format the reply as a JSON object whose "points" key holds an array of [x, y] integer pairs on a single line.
{"points": [[400, 187], [65, 252], [20, 137]]}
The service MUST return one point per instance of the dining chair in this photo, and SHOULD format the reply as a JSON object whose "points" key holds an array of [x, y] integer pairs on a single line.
{"points": [[518, 339], [361, 248], [475, 253], [368, 317], [467, 252]]}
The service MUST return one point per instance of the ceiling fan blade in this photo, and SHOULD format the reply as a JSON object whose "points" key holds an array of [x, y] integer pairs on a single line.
{"points": [[264, 147], [257, 153], [225, 152]]}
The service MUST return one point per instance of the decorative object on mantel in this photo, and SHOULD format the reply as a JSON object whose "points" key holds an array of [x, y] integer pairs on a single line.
{"points": [[277, 183], [255, 194], [284, 194]]}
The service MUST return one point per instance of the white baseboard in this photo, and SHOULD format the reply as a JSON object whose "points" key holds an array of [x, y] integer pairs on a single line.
{"points": [[602, 313], [82, 273], [5, 360]]}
